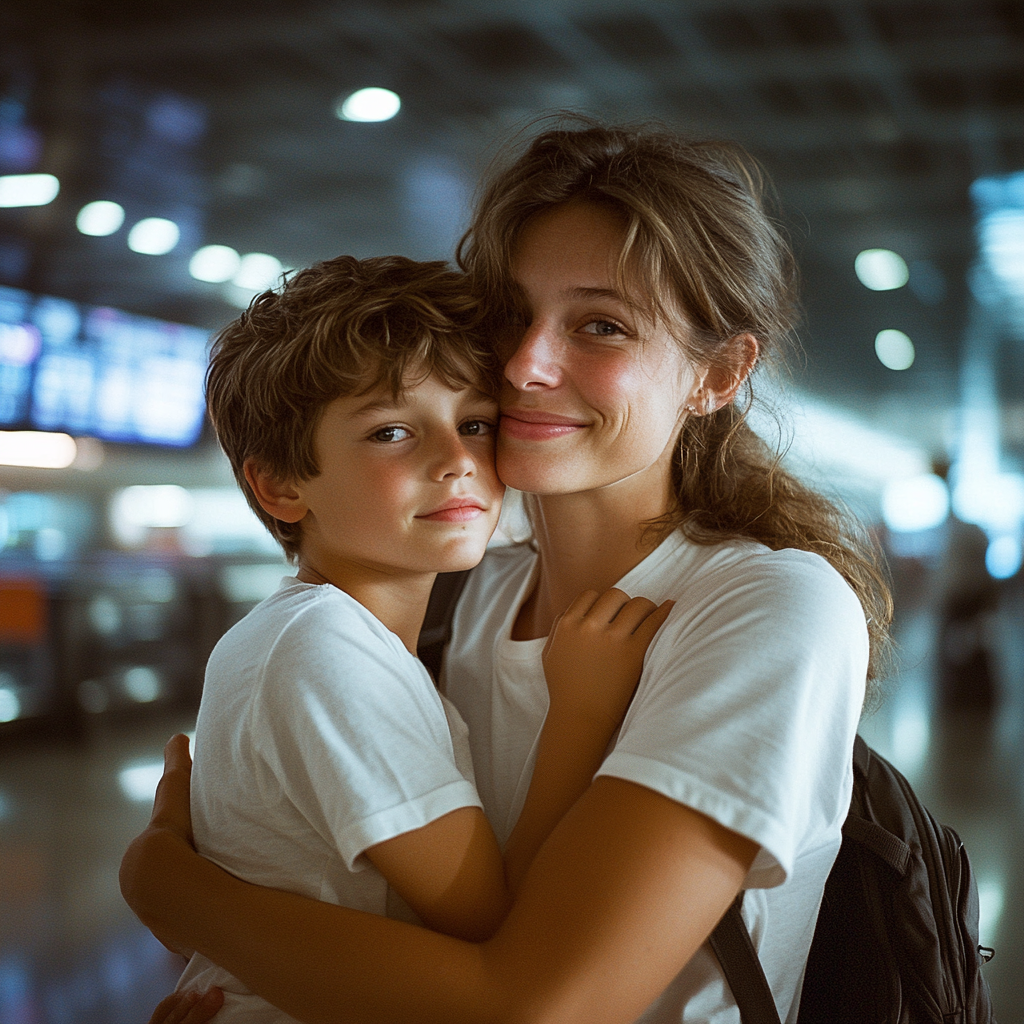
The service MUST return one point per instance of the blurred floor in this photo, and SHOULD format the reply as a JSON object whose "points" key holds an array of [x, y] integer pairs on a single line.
{"points": [[72, 953]]}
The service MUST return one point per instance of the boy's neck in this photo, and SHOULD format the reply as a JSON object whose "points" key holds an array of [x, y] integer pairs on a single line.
{"points": [[399, 601]]}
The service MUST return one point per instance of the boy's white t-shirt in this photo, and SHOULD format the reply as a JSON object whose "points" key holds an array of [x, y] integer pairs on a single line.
{"points": [[319, 735], [746, 711]]}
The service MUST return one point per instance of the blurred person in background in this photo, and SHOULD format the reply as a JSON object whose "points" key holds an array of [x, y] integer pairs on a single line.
{"points": [[967, 598]]}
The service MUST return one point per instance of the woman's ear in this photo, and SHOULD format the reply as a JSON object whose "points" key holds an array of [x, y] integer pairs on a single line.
{"points": [[278, 498], [719, 385]]}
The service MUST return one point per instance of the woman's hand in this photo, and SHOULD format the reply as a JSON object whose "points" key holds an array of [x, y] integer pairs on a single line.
{"points": [[188, 1007], [169, 826], [595, 654]]}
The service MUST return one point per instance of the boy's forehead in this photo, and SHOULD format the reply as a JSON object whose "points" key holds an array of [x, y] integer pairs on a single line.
{"points": [[382, 396]]}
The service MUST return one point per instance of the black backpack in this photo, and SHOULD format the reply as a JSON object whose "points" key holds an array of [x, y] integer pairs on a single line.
{"points": [[897, 935], [896, 940]]}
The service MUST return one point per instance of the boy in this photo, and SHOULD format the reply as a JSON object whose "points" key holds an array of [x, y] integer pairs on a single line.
{"points": [[356, 409]]}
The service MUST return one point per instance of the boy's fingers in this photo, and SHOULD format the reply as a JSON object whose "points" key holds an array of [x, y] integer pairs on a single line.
{"points": [[653, 621], [607, 606], [582, 604]]}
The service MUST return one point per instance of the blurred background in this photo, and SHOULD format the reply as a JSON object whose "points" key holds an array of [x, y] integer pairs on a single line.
{"points": [[162, 162]]}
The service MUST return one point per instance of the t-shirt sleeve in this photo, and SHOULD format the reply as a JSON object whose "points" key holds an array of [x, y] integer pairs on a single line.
{"points": [[354, 733], [748, 705]]}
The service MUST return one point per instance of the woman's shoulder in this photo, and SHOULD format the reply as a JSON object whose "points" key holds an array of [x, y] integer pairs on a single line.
{"points": [[784, 581]]}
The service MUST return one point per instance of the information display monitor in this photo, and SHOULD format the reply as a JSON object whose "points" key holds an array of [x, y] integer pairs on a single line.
{"points": [[99, 372]]}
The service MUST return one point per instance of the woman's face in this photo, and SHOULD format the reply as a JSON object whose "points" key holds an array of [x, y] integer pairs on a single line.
{"points": [[593, 397]]}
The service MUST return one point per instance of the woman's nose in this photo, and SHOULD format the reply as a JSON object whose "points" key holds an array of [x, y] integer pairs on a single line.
{"points": [[534, 364]]}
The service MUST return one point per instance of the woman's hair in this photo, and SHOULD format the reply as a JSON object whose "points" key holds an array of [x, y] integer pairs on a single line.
{"points": [[703, 257], [341, 327]]}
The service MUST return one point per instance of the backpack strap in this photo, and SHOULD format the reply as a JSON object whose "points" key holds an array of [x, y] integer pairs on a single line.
{"points": [[437, 623], [731, 943]]}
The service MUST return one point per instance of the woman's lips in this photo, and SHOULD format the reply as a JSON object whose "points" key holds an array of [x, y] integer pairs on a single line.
{"points": [[458, 510], [528, 425]]}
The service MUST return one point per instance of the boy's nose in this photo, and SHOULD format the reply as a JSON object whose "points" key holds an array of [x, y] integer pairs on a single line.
{"points": [[452, 458]]}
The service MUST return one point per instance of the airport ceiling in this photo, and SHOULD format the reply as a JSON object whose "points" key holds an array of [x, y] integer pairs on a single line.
{"points": [[872, 118]]}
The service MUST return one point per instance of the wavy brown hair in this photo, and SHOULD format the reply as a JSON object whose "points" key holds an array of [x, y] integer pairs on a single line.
{"points": [[341, 327], [703, 257]]}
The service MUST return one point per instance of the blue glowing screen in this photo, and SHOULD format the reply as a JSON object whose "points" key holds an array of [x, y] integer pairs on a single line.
{"points": [[100, 372]]}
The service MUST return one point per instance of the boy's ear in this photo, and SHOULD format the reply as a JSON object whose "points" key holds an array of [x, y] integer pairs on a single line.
{"points": [[278, 498], [719, 385]]}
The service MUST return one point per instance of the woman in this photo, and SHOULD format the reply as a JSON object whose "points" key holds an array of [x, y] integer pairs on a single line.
{"points": [[645, 282]]}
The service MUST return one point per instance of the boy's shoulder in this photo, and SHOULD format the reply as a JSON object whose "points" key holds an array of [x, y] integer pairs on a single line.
{"points": [[306, 618]]}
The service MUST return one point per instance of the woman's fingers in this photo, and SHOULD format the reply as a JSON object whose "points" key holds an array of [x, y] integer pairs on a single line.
{"points": [[171, 804], [188, 1007]]}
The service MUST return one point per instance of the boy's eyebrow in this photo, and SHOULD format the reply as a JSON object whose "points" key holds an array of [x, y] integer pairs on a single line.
{"points": [[593, 293], [381, 403]]}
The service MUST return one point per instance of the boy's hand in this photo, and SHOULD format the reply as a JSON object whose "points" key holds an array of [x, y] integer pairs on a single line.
{"points": [[188, 1007], [595, 653], [171, 823]]}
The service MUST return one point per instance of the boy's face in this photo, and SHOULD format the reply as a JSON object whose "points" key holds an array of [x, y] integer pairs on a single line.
{"points": [[405, 485]]}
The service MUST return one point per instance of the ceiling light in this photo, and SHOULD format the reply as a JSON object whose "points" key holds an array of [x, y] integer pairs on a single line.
{"points": [[257, 271], [881, 270], [369, 105], [894, 350], [100, 218], [214, 263], [28, 189], [153, 236], [36, 449]]}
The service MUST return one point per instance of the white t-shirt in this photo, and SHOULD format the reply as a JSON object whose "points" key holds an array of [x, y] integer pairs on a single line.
{"points": [[319, 735], [746, 711]]}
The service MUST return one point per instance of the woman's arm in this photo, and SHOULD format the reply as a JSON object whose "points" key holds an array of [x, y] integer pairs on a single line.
{"points": [[623, 893]]}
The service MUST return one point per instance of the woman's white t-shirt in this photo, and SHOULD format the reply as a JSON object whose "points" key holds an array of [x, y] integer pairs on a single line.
{"points": [[746, 711]]}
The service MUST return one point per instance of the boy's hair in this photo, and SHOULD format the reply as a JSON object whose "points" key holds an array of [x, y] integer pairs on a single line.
{"points": [[342, 327]]}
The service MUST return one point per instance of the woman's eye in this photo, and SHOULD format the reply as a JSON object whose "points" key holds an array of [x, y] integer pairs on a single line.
{"points": [[388, 435], [476, 428], [603, 328]]}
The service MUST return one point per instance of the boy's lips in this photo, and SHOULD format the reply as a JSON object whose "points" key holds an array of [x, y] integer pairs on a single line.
{"points": [[456, 510], [536, 425]]}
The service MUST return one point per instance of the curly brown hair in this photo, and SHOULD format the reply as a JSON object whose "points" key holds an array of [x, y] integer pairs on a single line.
{"points": [[341, 327]]}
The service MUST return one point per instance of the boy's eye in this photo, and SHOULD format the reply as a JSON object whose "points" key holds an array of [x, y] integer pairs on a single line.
{"points": [[603, 328], [475, 428], [388, 435]]}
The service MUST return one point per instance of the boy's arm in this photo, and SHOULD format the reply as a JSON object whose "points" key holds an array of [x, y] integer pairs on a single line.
{"points": [[592, 663], [450, 871]]}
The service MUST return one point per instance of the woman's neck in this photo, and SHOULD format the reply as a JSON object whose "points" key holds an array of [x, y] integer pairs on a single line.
{"points": [[586, 541]]}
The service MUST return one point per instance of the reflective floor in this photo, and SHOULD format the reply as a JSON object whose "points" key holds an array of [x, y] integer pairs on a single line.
{"points": [[72, 953]]}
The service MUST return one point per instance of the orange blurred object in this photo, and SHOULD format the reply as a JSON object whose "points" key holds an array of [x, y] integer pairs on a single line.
{"points": [[22, 610]]}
